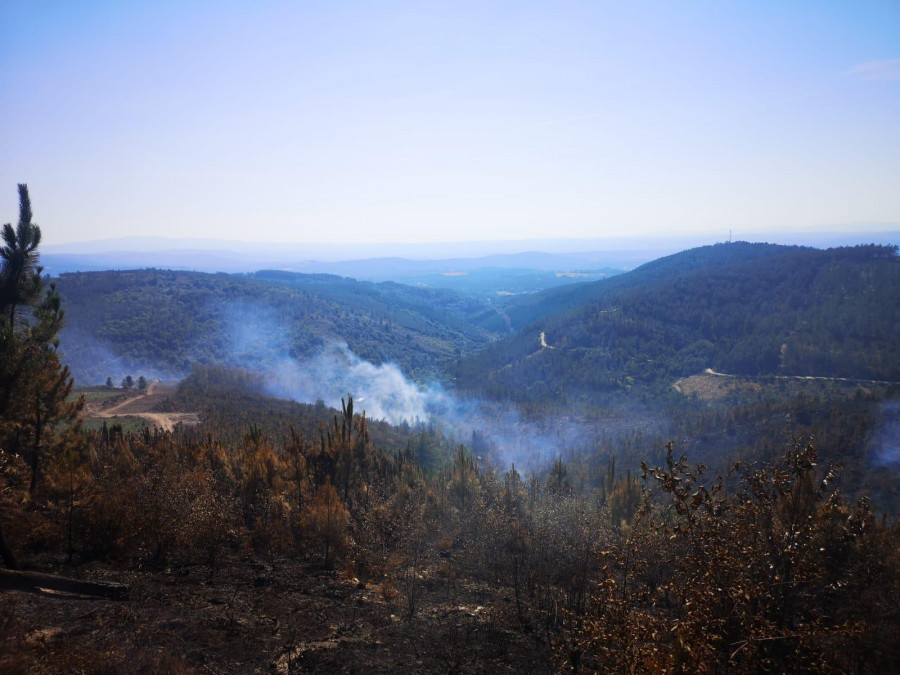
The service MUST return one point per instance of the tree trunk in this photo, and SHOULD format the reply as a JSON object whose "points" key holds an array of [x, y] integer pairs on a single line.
{"points": [[36, 453], [32, 581], [71, 548], [6, 552]]}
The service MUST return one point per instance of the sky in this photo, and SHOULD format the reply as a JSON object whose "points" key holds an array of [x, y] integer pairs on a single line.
{"points": [[331, 122]]}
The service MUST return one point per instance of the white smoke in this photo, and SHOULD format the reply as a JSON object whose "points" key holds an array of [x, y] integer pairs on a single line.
{"points": [[886, 438], [385, 393], [91, 361], [260, 342], [335, 371]]}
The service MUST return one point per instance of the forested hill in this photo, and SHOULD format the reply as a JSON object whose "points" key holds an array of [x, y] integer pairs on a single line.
{"points": [[738, 308], [160, 322], [525, 309]]}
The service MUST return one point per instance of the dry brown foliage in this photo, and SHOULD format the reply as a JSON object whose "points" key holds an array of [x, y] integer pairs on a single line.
{"points": [[778, 577]]}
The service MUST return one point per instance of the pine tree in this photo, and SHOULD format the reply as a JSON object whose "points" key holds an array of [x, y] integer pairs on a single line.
{"points": [[21, 275], [327, 520], [35, 413]]}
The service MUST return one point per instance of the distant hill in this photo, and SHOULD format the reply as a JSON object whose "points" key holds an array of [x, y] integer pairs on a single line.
{"points": [[751, 309], [161, 322], [525, 310], [371, 261], [487, 277]]}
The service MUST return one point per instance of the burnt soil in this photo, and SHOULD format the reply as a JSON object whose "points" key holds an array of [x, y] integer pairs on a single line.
{"points": [[255, 617]]}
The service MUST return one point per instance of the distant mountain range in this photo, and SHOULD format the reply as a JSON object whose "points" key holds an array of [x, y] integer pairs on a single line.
{"points": [[392, 261], [484, 277], [372, 262]]}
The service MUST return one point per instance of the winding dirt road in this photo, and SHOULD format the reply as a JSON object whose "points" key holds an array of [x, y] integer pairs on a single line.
{"points": [[543, 340]]}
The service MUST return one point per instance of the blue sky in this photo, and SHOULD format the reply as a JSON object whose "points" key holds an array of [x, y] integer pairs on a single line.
{"points": [[420, 121]]}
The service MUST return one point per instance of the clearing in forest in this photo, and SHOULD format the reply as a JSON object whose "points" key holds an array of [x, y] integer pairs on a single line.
{"points": [[144, 405]]}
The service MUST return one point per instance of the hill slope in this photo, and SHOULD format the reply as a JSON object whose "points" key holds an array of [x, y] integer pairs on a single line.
{"points": [[740, 308], [525, 310], [160, 322]]}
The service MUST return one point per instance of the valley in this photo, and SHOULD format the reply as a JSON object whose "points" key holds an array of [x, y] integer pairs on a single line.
{"points": [[658, 353]]}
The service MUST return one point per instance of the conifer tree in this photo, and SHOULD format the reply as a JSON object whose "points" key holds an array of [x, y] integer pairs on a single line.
{"points": [[21, 275], [35, 415]]}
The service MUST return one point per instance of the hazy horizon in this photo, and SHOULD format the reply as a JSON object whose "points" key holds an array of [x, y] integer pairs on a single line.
{"points": [[880, 231], [409, 262]]}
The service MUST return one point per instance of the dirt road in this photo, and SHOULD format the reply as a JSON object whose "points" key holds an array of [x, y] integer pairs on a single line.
{"points": [[821, 378], [711, 384], [144, 406]]}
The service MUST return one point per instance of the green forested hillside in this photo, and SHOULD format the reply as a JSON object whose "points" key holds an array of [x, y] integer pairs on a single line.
{"points": [[164, 321], [526, 309], [747, 309], [739, 308], [401, 302]]}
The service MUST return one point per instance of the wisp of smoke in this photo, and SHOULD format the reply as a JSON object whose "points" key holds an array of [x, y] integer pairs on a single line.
{"points": [[90, 361], [259, 342], [886, 439], [381, 390], [384, 393]]}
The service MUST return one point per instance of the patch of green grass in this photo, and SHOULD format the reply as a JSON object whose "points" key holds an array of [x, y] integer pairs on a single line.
{"points": [[95, 393]]}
